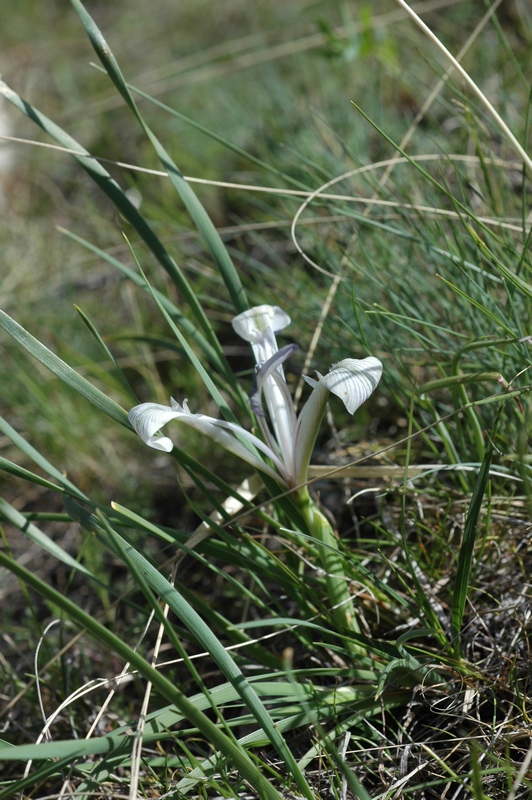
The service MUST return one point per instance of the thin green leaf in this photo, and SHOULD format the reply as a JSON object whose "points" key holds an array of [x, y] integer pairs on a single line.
{"points": [[40, 460], [10, 514], [442, 188], [199, 216], [195, 361], [108, 353], [457, 380], [220, 139], [465, 557], [232, 751], [497, 321], [191, 330], [27, 475], [122, 203], [63, 371], [516, 280], [209, 642], [13, 789]]}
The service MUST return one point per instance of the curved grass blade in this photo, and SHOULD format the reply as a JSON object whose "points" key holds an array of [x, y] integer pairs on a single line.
{"points": [[195, 361], [18, 520], [457, 380], [217, 138], [70, 748], [107, 352], [122, 203], [46, 771], [465, 558], [27, 475], [40, 460], [199, 216], [235, 753], [521, 284], [204, 635], [208, 350], [460, 207], [63, 371]]}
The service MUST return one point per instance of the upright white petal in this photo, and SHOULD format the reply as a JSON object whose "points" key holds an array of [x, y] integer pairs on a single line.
{"points": [[353, 380], [251, 324], [258, 326]]}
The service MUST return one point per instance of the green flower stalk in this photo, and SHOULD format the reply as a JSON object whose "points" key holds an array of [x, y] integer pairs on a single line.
{"points": [[285, 449]]}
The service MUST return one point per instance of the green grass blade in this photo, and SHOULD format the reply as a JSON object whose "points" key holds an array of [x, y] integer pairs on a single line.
{"points": [[63, 371], [122, 203], [16, 788], [458, 380], [204, 635], [194, 360], [199, 216], [512, 277], [69, 748], [168, 690], [27, 475], [465, 557], [107, 352], [460, 207], [190, 329], [220, 139], [18, 520]]}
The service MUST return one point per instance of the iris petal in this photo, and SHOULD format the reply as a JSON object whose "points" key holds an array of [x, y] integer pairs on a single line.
{"points": [[252, 324], [353, 380], [147, 419], [289, 443], [263, 372]]}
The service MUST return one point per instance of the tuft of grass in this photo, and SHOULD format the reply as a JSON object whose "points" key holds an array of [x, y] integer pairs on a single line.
{"points": [[198, 651]]}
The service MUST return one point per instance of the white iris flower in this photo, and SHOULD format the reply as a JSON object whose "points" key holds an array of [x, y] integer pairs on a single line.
{"points": [[288, 440]]}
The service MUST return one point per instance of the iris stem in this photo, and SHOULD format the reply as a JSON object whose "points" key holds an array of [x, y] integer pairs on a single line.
{"points": [[332, 563]]}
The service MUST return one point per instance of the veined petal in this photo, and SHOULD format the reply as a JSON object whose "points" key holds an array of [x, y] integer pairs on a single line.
{"points": [[353, 380], [271, 382], [147, 419], [258, 326], [216, 429], [263, 372], [252, 324]]}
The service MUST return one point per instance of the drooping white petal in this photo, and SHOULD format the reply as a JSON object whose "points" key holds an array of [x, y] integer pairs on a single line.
{"points": [[147, 419], [353, 380], [216, 429], [251, 324], [258, 326]]}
